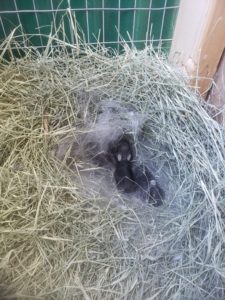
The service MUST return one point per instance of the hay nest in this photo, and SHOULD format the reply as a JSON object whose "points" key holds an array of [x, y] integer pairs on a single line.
{"points": [[66, 232]]}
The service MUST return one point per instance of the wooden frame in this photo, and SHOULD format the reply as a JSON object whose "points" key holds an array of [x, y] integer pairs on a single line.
{"points": [[199, 40]]}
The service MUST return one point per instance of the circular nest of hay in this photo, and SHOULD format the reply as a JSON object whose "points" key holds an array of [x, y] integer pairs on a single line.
{"points": [[66, 231]]}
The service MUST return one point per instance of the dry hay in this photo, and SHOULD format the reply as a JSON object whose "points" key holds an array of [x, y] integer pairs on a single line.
{"points": [[61, 236]]}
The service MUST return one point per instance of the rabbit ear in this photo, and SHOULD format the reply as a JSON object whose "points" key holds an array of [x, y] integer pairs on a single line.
{"points": [[129, 157], [119, 157]]}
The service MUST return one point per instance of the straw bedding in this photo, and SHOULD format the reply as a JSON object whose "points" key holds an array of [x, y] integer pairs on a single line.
{"points": [[66, 232]]}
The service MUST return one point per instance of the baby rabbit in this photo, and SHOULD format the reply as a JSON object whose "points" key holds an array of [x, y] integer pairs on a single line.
{"points": [[122, 157], [148, 186], [131, 177]]}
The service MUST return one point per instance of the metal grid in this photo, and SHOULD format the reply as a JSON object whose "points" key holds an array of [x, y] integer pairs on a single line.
{"points": [[31, 13]]}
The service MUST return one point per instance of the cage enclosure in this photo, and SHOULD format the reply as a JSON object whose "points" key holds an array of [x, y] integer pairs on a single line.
{"points": [[111, 167], [102, 21]]}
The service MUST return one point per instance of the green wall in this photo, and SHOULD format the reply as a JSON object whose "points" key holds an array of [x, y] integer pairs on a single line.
{"points": [[23, 11]]}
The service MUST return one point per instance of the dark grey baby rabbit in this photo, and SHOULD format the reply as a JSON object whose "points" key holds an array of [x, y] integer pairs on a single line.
{"points": [[122, 156], [147, 186], [132, 177]]}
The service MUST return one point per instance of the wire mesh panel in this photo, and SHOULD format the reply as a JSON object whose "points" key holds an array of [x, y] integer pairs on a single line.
{"points": [[105, 21]]}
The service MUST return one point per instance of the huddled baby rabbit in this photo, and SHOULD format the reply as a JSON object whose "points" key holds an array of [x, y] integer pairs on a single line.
{"points": [[132, 177], [147, 186], [122, 159]]}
